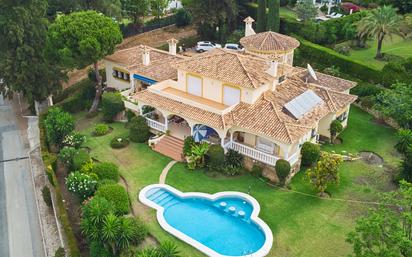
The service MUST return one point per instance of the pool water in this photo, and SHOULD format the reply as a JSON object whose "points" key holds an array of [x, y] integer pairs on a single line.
{"points": [[223, 225]]}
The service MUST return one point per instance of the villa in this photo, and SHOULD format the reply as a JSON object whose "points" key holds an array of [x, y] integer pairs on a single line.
{"points": [[255, 102]]}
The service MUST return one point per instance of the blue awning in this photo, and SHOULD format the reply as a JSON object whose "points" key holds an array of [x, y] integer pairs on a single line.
{"points": [[144, 79]]}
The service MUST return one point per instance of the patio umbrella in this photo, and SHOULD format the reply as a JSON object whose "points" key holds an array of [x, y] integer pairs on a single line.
{"points": [[200, 132]]}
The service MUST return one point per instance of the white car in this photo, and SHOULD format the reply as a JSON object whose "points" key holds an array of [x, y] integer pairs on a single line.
{"points": [[235, 47], [203, 46]]}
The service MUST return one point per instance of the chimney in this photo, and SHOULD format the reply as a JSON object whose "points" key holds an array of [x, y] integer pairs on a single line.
{"points": [[273, 69], [172, 45], [146, 55], [248, 26]]}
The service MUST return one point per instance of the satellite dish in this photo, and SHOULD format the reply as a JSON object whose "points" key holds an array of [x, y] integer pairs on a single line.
{"points": [[312, 72]]}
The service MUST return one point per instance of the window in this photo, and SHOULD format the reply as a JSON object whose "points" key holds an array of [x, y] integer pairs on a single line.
{"points": [[265, 145], [194, 85], [231, 95], [281, 78], [313, 133], [121, 75], [342, 117]]}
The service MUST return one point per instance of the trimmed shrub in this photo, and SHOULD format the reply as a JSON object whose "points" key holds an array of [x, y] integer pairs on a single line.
{"points": [[80, 158], [257, 170], [216, 157], [101, 129], [106, 170], [66, 156], [139, 130], [233, 163], [74, 139], [58, 125], [119, 142], [282, 168], [183, 17], [46, 194], [80, 184], [117, 195], [187, 145], [87, 168], [310, 153], [60, 252], [112, 104], [105, 182]]}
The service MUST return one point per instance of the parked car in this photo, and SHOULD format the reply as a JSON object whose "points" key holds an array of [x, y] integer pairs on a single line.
{"points": [[203, 46], [235, 47]]}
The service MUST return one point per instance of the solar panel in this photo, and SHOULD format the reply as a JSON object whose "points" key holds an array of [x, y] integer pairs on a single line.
{"points": [[303, 103]]}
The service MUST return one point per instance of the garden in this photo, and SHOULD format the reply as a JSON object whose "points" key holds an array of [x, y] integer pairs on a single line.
{"points": [[298, 217]]}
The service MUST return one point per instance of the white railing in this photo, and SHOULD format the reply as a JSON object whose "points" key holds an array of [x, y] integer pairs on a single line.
{"points": [[252, 153], [156, 125], [294, 158]]}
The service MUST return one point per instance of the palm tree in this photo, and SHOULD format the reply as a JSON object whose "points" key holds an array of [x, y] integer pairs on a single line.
{"points": [[404, 140], [378, 23], [168, 249], [109, 233]]}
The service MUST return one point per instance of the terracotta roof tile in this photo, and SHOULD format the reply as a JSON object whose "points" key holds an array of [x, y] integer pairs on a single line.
{"points": [[269, 42]]}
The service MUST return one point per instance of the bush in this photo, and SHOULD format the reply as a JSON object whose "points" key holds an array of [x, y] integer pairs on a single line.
{"points": [[116, 195], [335, 128], [82, 185], [105, 182], [88, 168], [130, 114], [73, 104], [139, 130], [310, 154], [119, 142], [187, 145], [100, 129], [257, 170], [66, 156], [216, 157], [366, 89], [74, 139], [97, 249], [46, 194], [183, 17], [233, 163], [58, 125], [80, 158], [282, 168], [112, 104], [342, 49], [368, 101], [106, 170], [60, 252]]}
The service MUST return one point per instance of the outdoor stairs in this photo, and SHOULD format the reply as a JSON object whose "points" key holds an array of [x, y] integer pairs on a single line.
{"points": [[171, 147], [163, 198]]}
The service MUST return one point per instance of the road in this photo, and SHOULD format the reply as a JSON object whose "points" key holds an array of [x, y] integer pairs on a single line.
{"points": [[20, 233]]}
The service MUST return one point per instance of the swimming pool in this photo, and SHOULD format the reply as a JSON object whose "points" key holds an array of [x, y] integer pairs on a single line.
{"points": [[220, 225]]}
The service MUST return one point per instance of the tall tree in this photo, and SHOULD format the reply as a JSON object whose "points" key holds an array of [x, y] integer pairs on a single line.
{"points": [[23, 65], [81, 38], [306, 10], [209, 15], [273, 19], [387, 229], [380, 22], [136, 9], [111, 8], [158, 7], [261, 16]]}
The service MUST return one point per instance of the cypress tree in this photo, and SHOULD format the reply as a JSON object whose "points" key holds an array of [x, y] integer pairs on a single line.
{"points": [[261, 16], [273, 18]]}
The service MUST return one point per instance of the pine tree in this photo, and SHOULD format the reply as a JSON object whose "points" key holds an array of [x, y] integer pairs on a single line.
{"points": [[23, 65]]}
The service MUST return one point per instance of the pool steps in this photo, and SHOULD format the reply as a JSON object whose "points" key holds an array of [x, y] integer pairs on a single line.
{"points": [[166, 200]]}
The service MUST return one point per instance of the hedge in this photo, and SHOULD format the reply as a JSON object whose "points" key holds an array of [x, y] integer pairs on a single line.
{"points": [[117, 195], [317, 54]]}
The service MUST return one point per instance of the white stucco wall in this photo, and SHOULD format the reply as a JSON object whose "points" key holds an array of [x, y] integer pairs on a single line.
{"points": [[112, 81], [324, 124]]}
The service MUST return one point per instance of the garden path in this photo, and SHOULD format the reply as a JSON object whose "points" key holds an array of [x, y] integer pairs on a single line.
{"points": [[163, 176]]}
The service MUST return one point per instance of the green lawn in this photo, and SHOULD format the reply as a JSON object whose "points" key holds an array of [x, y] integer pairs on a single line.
{"points": [[303, 225], [397, 46], [287, 13]]}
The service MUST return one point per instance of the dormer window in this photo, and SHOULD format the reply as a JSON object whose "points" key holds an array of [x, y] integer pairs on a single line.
{"points": [[281, 78]]}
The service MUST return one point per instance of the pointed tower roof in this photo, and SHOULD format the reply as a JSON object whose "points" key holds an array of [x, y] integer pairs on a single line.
{"points": [[269, 42]]}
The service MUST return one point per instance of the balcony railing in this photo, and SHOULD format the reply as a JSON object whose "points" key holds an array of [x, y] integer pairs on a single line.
{"points": [[259, 155], [156, 125], [252, 153], [131, 106]]}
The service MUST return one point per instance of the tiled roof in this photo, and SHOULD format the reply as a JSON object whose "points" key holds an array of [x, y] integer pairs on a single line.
{"points": [[327, 81], [160, 67], [228, 66], [269, 42], [266, 116]]}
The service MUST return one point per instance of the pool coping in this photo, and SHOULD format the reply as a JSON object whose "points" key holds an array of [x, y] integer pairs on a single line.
{"points": [[263, 251]]}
